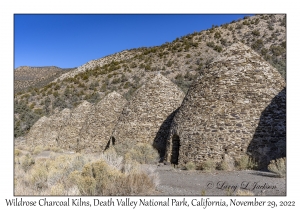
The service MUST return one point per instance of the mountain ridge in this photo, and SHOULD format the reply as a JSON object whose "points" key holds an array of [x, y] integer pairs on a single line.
{"points": [[180, 61]]}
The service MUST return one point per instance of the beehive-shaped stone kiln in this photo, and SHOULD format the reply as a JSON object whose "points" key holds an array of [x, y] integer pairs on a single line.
{"points": [[99, 125], [236, 106], [147, 116], [56, 124], [69, 136], [36, 134]]}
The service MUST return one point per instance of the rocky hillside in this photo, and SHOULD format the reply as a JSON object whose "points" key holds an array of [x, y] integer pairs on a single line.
{"points": [[180, 61], [26, 76]]}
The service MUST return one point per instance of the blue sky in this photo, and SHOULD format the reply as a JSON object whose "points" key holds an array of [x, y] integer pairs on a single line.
{"points": [[72, 40]]}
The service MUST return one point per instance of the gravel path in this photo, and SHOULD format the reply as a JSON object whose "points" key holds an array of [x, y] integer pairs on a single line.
{"points": [[182, 182]]}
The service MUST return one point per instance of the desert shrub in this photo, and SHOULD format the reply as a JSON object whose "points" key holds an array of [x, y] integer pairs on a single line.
{"points": [[116, 80], [17, 152], [73, 191], [27, 117], [68, 163], [208, 165], [222, 166], [246, 22], [56, 149], [217, 35], [283, 44], [111, 157], [263, 51], [78, 161], [131, 166], [143, 153], [137, 184], [103, 87], [223, 41], [189, 76], [258, 44], [277, 50], [104, 180], [60, 103], [169, 64], [133, 65], [256, 33], [38, 176], [278, 167], [96, 178], [245, 162], [85, 183], [60, 167], [104, 175], [57, 189], [203, 192], [38, 149], [26, 162], [93, 98], [179, 76], [239, 26], [218, 48], [147, 67], [16, 160], [190, 166], [54, 176], [130, 92], [55, 94], [210, 44], [244, 193]]}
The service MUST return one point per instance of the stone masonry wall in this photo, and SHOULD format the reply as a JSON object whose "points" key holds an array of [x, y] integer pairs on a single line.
{"points": [[36, 135], [223, 108], [143, 116], [69, 135], [96, 132]]}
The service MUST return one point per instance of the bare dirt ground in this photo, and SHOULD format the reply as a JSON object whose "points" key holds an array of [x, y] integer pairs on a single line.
{"points": [[182, 182]]}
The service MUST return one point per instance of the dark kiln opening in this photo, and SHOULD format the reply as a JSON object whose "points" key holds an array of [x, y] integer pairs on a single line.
{"points": [[175, 149], [112, 141]]}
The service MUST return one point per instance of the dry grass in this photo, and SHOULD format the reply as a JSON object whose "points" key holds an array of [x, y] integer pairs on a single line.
{"points": [[37, 150], [278, 167], [222, 166], [17, 152], [26, 162], [245, 162], [208, 165], [112, 158], [75, 174], [57, 189], [190, 166], [22, 147], [244, 193], [143, 153]]}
